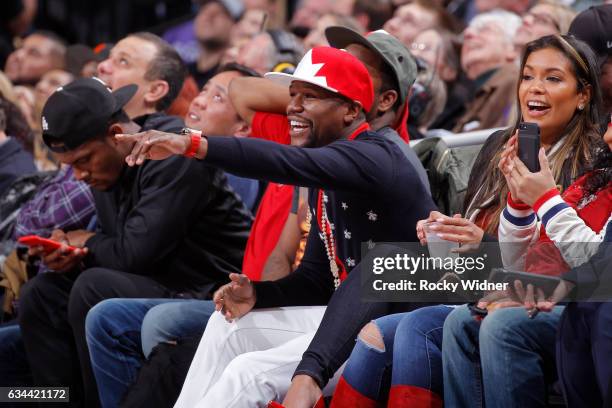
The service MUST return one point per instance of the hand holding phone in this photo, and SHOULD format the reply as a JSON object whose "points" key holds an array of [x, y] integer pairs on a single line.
{"points": [[55, 255], [529, 145], [477, 311], [48, 245]]}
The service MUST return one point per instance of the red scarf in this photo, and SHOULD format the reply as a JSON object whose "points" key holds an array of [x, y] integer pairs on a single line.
{"points": [[402, 127]]}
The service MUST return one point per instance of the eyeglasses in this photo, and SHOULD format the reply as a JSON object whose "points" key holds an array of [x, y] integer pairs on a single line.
{"points": [[419, 46]]}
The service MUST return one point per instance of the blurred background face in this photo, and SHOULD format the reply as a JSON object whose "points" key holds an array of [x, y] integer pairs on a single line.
{"points": [[486, 5], [212, 111], [28, 64], [316, 36], [89, 69], [257, 54], [537, 22], [548, 93], [212, 25], [249, 25], [429, 47], [49, 83], [306, 16], [26, 101], [485, 47], [408, 21], [242, 32]]}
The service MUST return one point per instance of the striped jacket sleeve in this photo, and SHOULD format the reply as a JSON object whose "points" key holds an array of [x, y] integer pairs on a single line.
{"points": [[576, 240], [518, 229]]}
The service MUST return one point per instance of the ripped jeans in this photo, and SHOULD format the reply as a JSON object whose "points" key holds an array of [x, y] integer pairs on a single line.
{"points": [[411, 355]]}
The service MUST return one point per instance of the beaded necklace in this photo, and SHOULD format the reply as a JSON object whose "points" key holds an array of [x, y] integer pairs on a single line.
{"points": [[328, 240]]}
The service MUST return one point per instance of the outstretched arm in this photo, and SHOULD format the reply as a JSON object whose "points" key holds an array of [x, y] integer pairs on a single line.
{"points": [[351, 165]]}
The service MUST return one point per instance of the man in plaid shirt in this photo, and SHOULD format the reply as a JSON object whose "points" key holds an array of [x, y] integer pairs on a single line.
{"points": [[60, 203]]}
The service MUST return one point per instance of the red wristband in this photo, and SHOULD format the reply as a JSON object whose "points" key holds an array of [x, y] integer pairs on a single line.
{"points": [[544, 198], [517, 205], [194, 146]]}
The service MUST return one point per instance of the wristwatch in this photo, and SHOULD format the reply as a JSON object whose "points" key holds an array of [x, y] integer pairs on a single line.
{"points": [[196, 139]]}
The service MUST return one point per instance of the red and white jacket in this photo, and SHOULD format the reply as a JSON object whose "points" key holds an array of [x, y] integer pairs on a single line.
{"points": [[558, 233]]}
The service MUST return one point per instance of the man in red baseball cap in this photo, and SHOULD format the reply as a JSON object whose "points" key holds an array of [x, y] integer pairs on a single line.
{"points": [[362, 189]]}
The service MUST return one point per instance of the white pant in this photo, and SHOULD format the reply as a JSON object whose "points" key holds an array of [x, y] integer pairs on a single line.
{"points": [[250, 361]]}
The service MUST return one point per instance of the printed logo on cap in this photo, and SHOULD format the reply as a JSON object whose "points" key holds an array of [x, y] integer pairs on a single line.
{"points": [[45, 125], [335, 70], [308, 70], [103, 83]]}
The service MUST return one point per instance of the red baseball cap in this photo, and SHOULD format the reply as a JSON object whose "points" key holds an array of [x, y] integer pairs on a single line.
{"points": [[335, 70]]}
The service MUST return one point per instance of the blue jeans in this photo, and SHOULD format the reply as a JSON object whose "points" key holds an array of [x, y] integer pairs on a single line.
{"points": [[503, 361], [14, 366], [114, 337], [584, 348], [412, 354]]}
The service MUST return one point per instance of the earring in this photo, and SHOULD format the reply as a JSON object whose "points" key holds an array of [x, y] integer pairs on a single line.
{"points": [[580, 107]]}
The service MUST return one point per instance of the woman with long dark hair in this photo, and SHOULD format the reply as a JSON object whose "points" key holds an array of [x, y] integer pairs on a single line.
{"points": [[584, 339], [508, 358]]}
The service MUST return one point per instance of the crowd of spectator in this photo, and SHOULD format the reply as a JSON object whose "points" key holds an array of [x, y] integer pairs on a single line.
{"points": [[215, 173]]}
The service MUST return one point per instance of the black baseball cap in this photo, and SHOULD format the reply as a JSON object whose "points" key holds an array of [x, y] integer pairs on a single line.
{"points": [[80, 111], [390, 49], [593, 26]]}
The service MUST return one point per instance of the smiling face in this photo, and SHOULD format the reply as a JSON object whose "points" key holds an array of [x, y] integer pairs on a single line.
{"points": [[212, 111], [548, 92], [316, 116]]}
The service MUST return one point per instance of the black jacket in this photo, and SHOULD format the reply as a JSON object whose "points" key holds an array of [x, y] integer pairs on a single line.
{"points": [[375, 195], [175, 220]]}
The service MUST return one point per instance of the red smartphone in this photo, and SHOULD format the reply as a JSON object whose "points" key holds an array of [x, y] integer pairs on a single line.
{"points": [[48, 244]]}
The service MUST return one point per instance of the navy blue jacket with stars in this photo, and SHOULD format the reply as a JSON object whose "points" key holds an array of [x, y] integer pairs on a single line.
{"points": [[375, 195]]}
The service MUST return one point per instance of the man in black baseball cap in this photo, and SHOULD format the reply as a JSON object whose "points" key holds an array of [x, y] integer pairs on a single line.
{"points": [[81, 111], [156, 237], [593, 26]]}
